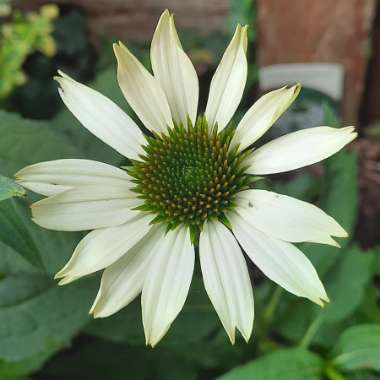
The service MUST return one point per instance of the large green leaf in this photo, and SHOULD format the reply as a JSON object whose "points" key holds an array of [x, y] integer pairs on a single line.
{"points": [[292, 364], [36, 315], [12, 263], [37, 318], [14, 370], [24, 142], [347, 282], [9, 189], [47, 250], [358, 348]]}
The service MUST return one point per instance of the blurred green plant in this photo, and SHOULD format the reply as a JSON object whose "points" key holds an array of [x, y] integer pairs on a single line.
{"points": [[23, 34], [38, 98], [9, 188]]}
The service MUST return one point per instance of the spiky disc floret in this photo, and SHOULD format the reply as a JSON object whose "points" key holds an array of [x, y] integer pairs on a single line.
{"points": [[189, 175]]}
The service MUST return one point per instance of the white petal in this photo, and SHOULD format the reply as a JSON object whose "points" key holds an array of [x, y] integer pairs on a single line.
{"points": [[287, 218], [167, 283], [226, 279], [281, 261], [44, 188], [299, 149], [228, 82], [124, 279], [86, 208], [101, 117], [263, 114], [142, 91], [101, 248], [52, 177], [174, 70]]}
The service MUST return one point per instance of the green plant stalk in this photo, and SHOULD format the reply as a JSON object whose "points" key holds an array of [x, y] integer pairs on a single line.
{"points": [[311, 331]]}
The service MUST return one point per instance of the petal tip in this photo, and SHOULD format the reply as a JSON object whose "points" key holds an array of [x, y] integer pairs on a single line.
{"points": [[165, 13], [116, 48], [246, 335], [231, 336], [62, 74], [296, 89], [63, 281]]}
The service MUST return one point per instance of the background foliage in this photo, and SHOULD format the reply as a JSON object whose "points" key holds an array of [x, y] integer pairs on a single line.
{"points": [[45, 330]]}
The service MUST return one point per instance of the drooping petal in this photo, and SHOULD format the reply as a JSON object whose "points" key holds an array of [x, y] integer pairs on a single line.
{"points": [[167, 283], [52, 177], [281, 261], [101, 248], [287, 218], [226, 279], [174, 71], [86, 208], [299, 149], [142, 91], [101, 117], [228, 82], [124, 279], [263, 114]]}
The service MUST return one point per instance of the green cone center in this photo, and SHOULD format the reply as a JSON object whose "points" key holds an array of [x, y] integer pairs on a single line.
{"points": [[189, 175]]}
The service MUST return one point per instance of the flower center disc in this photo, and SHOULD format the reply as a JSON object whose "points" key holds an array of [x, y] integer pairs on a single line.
{"points": [[189, 175]]}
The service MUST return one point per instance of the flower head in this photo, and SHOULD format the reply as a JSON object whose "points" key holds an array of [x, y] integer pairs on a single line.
{"points": [[188, 183]]}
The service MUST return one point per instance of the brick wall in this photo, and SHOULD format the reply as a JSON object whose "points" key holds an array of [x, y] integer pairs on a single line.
{"points": [[135, 19]]}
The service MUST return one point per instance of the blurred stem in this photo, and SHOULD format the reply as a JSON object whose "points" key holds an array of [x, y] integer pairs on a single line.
{"points": [[311, 331], [332, 374], [270, 309]]}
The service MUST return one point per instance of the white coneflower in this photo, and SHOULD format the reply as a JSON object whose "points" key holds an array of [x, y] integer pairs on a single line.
{"points": [[188, 183]]}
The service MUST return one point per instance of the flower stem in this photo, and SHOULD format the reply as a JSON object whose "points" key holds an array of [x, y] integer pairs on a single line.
{"points": [[311, 331], [273, 302], [332, 374]]}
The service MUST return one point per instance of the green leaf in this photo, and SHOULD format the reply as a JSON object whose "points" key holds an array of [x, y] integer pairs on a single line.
{"points": [[358, 348], [9, 189], [37, 316], [346, 284], [24, 142], [292, 364], [12, 263], [13, 370], [304, 187], [46, 250]]}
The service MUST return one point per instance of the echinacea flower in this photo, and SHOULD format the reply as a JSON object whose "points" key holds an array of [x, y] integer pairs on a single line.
{"points": [[188, 183]]}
